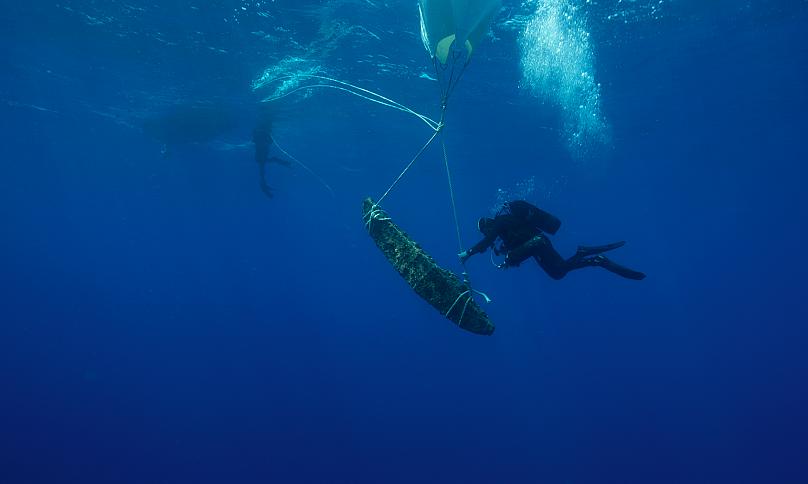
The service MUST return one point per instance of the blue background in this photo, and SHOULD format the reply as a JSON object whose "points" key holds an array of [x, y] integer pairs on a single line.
{"points": [[163, 321]]}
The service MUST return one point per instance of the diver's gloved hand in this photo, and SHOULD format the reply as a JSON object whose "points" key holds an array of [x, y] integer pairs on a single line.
{"points": [[464, 256]]}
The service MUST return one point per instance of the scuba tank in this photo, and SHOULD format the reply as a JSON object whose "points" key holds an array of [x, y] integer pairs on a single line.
{"points": [[533, 215]]}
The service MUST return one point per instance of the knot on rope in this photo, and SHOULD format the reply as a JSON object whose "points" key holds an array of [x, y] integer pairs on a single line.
{"points": [[375, 213]]}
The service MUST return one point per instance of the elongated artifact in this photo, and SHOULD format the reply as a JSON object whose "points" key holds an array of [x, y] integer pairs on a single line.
{"points": [[437, 286]]}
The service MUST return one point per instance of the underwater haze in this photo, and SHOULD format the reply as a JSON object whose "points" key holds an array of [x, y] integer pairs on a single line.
{"points": [[167, 317]]}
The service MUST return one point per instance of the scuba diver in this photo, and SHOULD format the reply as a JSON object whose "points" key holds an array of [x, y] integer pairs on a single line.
{"points": [[522, 226], [262, 138]]}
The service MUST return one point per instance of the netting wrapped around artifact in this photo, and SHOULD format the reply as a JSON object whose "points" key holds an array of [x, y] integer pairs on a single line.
{"points": [[437, 286]]}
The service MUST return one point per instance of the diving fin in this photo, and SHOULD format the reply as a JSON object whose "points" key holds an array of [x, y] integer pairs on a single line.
{"points": [[586, 251], [266, 189], [616, 268]]}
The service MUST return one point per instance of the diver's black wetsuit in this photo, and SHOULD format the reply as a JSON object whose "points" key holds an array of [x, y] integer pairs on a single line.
{"points": [[521, 240], [262, 137]]}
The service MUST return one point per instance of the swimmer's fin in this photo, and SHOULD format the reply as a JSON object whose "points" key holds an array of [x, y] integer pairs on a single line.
{"points": [[585, 251], [267, 190], [616, 268]]}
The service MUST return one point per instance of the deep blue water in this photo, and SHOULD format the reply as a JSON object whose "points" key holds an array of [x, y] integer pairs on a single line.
{"points": [[162, 321]]}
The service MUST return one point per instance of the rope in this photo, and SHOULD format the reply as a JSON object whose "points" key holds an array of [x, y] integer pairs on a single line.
{"points": [[466, 304], [304, 166], [384, 101], [447, 86], [460, 321], [493, 263], [459, 76], [448, 83], [375, 213], [451, 194], [466, 280], [409, 165], [464, 293]]}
